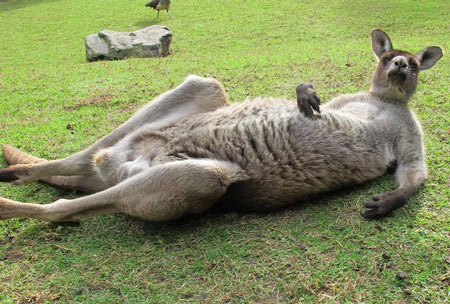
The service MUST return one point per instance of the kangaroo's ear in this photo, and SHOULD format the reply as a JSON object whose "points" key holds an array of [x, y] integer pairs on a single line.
{"points": [[380, 42], [429, 56]]}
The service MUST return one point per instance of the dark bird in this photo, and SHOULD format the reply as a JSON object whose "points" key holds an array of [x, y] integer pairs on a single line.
{"points": [[160, 5]]}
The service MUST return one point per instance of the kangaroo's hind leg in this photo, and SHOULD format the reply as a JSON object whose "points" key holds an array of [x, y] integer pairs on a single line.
{"points": [[195, 95], [163, 192]]}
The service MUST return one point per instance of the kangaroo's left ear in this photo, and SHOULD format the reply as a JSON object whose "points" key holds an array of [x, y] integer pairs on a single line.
{"points": [[429, 56], [381, 42]]}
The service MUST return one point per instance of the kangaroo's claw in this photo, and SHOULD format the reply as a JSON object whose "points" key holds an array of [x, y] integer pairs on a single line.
{"points": [[307, 99], [383, 204]]}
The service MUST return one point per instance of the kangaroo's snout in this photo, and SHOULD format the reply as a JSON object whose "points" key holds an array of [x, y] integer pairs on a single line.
{"points": [[398, 70], [399, 62]]}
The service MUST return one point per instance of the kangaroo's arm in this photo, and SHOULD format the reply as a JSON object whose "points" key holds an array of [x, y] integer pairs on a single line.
{"points": [[410, 173], [412, 169]]}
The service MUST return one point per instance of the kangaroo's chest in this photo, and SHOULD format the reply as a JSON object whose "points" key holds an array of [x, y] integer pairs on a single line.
{"points": [[360, 110]]}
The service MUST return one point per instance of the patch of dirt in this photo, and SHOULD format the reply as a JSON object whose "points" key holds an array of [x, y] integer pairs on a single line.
{"points": [[44, 296], [14, 256], [97, 100], [50, 236], [8, 239], [129, 108]]}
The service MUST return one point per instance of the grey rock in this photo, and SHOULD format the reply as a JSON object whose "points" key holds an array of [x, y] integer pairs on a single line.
{"points": [[152, 41]]}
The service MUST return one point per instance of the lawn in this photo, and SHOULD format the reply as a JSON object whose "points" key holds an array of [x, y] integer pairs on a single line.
{"points": [[53, 103]]}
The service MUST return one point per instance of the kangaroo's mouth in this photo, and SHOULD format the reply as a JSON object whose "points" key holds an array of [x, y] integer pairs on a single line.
{"points": [[397, 76]]}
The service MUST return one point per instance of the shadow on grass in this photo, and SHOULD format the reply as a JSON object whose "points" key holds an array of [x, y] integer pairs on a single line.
{"points": [[148, 22], [6, 5], [122, 231], [346, 201]]}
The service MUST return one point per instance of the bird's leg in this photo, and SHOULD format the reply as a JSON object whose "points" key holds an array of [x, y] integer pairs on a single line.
{"points": [[158, 15], [169, 13]]}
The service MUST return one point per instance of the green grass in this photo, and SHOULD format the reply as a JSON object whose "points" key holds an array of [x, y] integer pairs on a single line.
{"points": [[321, 251]]}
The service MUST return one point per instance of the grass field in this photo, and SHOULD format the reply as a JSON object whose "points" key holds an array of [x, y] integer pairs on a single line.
{"points": [[321, 251]]}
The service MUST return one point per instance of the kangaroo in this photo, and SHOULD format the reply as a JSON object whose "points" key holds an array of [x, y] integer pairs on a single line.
{"points": [[189, 150]]}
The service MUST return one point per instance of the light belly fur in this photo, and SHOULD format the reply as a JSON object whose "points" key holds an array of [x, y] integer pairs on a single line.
{"points": [[286, 156]]}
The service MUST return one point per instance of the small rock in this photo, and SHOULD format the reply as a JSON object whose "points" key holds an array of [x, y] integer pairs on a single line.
{"points": [[69, 126], [78, 292], [389, 265], [401, 275], [386, 256]]}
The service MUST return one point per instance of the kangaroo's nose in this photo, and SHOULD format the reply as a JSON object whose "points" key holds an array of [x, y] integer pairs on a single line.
{"points": [[400, 62]]}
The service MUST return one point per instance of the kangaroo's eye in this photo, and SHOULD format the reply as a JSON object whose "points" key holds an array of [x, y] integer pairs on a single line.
{"points": [[413, 65], [386, 60]]}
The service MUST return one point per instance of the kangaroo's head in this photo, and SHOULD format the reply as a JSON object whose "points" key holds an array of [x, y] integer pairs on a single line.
{"points": [[395, 78]]}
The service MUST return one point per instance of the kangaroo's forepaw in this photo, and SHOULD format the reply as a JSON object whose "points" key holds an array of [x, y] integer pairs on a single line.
{"points": [[383, 204], [307, 99]]}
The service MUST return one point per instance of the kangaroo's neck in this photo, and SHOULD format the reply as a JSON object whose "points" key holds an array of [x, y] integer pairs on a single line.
{"points": [[392, 93]]}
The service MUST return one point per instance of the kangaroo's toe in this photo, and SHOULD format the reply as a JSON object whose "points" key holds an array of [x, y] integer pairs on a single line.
{"points": [[14, 156], [7, 175]]}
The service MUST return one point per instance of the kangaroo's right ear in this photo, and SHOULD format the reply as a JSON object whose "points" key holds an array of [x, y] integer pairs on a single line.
{"points": [[380, 42], [429, 56]]}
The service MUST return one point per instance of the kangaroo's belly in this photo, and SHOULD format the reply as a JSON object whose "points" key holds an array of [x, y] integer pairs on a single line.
{"points": [[286, 155]]}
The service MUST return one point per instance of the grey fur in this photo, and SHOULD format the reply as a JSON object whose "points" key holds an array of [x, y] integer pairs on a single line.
{"points": [[188, 151]]}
